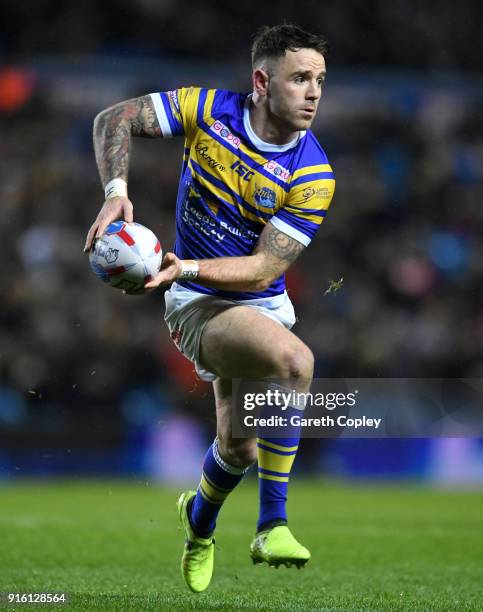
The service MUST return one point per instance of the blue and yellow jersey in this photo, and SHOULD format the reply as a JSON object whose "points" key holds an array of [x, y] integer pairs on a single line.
{"points": [[233, 183]]}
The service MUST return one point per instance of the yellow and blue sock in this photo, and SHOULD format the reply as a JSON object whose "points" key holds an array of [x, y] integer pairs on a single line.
{"points": [[275, 459], [217, 480]]}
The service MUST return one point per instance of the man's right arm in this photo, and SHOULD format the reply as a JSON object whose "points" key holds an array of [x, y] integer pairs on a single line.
{"points": [[113, 129]]}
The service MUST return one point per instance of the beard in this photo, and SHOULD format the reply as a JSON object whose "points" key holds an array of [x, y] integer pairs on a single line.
{"points": [[287, 119]]}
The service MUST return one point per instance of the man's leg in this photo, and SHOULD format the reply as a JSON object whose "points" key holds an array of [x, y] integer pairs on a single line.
{"points": [[224, 466], [244, 343], [241, 342]]}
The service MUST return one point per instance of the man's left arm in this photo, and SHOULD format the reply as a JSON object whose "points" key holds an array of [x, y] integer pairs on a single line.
{"points": [[272, 256]]}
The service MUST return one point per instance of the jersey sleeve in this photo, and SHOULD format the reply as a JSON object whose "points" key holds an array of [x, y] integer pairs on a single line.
{"points": [[311, 191], [179, 111]]}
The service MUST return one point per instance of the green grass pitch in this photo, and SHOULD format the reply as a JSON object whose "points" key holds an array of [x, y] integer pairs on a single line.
{"points": [[116, 546]]}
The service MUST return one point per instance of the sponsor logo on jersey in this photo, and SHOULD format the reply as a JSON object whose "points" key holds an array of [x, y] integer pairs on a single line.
{"points": [[277, 170], [201, 221], [265, 197], [202, 151], [242, 170], [322, 193], [223, 132]]}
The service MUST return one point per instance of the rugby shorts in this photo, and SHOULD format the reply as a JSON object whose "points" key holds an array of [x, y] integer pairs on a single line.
{"points": [[187, 313]]}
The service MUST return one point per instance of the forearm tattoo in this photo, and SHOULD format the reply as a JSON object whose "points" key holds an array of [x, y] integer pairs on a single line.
{"points": [[279, 245], [113, 129], [279, 249]]}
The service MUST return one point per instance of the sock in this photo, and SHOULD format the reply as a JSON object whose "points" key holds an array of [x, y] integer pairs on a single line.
{"points": [[275, 460], [217, 481]]}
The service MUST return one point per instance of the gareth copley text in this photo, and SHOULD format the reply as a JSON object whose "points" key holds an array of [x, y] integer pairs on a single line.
{"points": [[297, 420]]}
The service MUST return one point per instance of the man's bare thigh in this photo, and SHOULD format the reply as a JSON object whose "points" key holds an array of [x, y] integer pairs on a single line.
{"points": [[241, 342]]}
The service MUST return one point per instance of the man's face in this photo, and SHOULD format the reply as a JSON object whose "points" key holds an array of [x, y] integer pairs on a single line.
{"points": [[295, 88]]}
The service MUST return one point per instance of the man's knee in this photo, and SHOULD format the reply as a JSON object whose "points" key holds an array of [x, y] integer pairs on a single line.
{"points": [[296, 362], [238, 453]]}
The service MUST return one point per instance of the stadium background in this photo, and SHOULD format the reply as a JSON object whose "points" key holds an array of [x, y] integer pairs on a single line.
{"points": [[90, 382]]}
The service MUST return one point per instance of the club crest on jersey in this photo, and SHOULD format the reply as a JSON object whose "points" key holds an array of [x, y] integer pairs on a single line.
{"points": [[265, 197], [277, 170], [225, 134]]}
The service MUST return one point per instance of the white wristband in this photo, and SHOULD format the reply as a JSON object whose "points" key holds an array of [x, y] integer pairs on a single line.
{"points": [[116, 188], [189, 269]]}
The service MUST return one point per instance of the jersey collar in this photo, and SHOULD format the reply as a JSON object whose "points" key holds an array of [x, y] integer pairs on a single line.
{"points": [[260, 144]]}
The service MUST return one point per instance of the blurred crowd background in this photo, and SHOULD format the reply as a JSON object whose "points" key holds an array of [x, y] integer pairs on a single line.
{"points": [[89, 379]]}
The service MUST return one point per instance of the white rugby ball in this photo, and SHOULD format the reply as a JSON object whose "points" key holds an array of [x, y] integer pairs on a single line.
{"points": [[126, 256]]}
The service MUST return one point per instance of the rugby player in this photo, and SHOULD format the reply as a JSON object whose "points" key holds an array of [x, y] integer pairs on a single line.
{"points": [[254, 189]]}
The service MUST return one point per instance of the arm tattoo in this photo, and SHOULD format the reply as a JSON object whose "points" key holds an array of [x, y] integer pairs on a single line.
{"points": [[278, 245], [113, 129], [279, 250]]}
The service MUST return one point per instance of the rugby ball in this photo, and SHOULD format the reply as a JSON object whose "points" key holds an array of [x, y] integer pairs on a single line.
{"points": [[126, 256]]}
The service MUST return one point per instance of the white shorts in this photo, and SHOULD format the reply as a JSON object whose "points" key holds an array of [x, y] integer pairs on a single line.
{"points": [[187, 313]]}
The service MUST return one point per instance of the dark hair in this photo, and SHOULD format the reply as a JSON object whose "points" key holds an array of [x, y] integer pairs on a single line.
{"points": [[274, 41]]}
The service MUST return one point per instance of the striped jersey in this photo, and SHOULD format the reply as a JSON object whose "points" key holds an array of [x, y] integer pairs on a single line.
{"points": [[233, 183]]}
